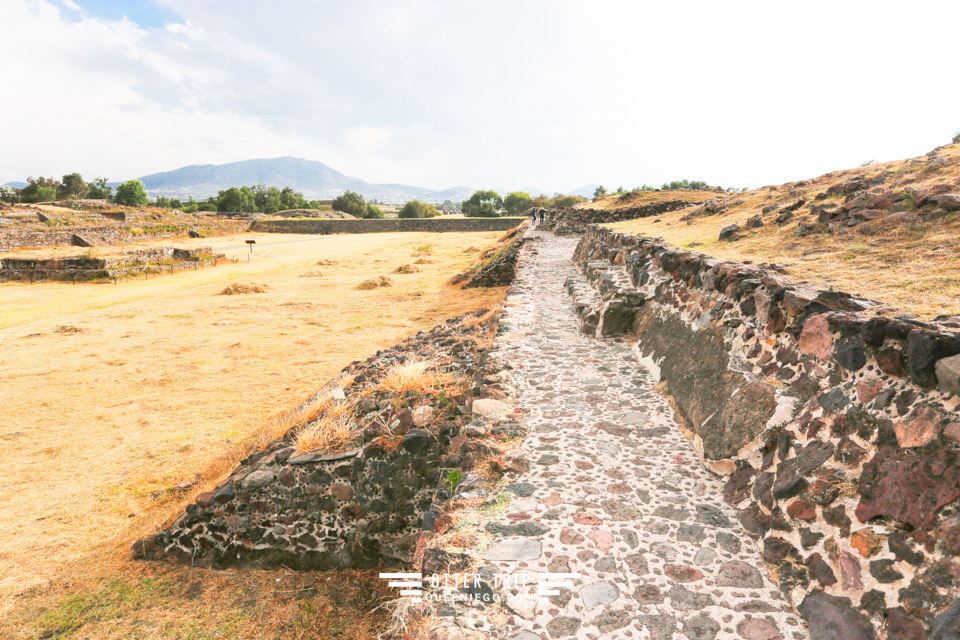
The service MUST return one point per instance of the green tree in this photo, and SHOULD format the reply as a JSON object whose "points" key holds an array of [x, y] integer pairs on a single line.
{"points": [[350, 202], [417, 209], [620, 191], [373, 211], [191, 206], [516, 202], [132, 194], [73, 186], [40, 190], [99, 189], [599, 191], [483, 204], [235, 199], [564, 202]]}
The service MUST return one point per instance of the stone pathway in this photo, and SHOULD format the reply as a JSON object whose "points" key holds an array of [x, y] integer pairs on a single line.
{"points": [[614, 493]]}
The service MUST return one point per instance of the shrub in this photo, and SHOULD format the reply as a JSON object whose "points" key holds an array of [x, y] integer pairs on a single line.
{"points": [[417, 209], [350, 202], [373, 212], [99, 189], [956, 137], [516, 202], [131, 193], [483, 204]]}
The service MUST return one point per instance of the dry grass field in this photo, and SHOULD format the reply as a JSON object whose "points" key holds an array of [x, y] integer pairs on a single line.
{"points": [[122, 402], [914, 267]]}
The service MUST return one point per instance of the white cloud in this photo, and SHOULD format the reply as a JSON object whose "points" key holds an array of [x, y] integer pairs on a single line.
{"points": [[549, 93]]}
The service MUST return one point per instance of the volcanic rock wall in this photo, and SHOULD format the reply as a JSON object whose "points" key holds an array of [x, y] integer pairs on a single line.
{"points": [[836, 421], [348, 508], [576, 221]]}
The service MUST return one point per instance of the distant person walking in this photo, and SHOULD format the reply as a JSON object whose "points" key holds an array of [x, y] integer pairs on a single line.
{"points": [[533, 217], [542, 215]]}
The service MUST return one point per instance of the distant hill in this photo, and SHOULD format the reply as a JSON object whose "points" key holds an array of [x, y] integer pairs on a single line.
{"points": [[586, 191], [15, 184], [314, 179]]}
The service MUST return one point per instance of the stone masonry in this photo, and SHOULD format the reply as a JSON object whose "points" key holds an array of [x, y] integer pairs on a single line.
{"points": [[835, 421]]}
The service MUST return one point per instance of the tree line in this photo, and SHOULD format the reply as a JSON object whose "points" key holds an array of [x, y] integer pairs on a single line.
{"points": [[485, 203], [674, 185], [72, 186]]}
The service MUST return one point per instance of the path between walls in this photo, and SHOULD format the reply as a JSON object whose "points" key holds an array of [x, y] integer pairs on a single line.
{"points": [[614, 492]]}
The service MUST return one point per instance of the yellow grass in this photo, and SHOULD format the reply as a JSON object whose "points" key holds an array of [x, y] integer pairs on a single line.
{"points": [[417, 375], [161, 383], [911, 267], [335, 430], [643, 198]]}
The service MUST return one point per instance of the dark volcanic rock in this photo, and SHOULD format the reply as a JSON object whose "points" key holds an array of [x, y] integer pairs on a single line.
{"points": [[832, 618], [908, 486]]}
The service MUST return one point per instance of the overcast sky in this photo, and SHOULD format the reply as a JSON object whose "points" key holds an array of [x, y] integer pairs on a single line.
{"points": [[549, 94]]}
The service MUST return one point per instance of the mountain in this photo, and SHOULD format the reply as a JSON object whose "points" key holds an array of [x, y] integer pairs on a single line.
{"points": [[314, 179], [15, 184], [586, 191]]}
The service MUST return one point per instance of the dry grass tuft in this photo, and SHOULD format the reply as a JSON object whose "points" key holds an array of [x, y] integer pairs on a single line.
{"points": [[406, 268], [313, 273], [335, 430], [243, 288], [482, 318], [417, 375]]}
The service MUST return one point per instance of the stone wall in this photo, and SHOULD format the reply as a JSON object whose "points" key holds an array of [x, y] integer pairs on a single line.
{"points": [[434, 225], [367, 504], [835, 420], [498, 265], [576, 221], [107, 234], [90, 268]]}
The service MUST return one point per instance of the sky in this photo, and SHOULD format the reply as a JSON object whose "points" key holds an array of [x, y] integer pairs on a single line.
{"points": [[545, 94]]}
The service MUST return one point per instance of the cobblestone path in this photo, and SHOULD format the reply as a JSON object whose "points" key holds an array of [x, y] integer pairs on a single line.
{"points": [[614, 492]]}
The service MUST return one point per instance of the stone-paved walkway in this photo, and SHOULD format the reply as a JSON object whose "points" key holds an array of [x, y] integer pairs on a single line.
{"points": [[615, 492]]}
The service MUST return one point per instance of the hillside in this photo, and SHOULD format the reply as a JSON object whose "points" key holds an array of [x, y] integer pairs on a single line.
{"points": [[314, 179], [885, 231]]}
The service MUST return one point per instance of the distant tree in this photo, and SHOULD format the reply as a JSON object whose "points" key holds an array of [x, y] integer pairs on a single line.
{"points": [[516, 202], [207, 206], [956, 137], [541, 201], [235, 199], [693, 185], [563, 202], [72, 186], [40, 190], [599, 191], [483, 204], [290, 199], [99, 190], [373, 211], [350, 202], [417, 209], [191, 206], [132, 194], [620, 191], [9, 194]]}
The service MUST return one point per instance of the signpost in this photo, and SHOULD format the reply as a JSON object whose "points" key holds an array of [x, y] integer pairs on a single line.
{"points": [[250, 244]]}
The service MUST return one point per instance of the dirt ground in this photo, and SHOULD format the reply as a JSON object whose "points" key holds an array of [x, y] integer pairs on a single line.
{"points": [[121, 402]]}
